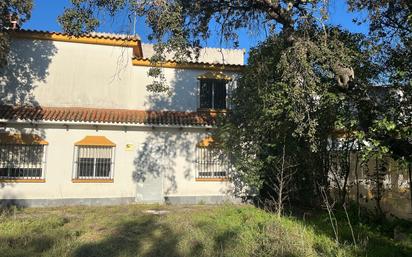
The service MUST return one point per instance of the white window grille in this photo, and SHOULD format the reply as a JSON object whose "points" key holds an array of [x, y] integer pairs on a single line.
{"points": [[94, 162], [22, 161], [212, 163]]}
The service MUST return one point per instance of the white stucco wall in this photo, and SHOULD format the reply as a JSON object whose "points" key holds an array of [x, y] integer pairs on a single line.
{"points": [[169, 153], [64, 74], [207, 54]]}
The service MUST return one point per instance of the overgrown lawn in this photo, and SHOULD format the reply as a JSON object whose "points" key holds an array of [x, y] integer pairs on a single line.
{"points": [[225, 230]]}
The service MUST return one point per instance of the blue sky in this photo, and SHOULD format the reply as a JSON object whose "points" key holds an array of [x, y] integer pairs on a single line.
{"points": [[45, 13]]}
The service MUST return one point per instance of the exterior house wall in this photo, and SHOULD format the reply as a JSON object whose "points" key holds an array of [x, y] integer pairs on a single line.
{"points": [[159, 165], [165, 153], [86, 75]]}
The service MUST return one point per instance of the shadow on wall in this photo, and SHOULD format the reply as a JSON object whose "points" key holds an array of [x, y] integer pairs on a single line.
{"points": [[158, 156], [27, 64], [11, 204], [183, 96], [184, 92], [162, 147]]}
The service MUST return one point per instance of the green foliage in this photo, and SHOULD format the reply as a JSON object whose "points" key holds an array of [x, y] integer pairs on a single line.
{"points": [[291, 92], [11, 10], [391, 32], [83, 15], [374, 234], [180, 27], [78, 20]]}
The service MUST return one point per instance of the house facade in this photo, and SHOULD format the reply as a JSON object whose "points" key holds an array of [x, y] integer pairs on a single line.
{"points": [[78, 125]]}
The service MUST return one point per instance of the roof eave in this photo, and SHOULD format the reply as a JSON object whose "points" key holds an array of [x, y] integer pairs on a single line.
{"points": [[106, 124]]}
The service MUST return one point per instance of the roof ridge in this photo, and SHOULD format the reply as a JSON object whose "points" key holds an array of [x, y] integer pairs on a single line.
{"points": [[100, 115], [75, 108], [93, 34], [214, 48], [191, 61]]}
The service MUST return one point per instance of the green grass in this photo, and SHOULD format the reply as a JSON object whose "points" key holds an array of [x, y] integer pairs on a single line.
{"points": [[226, 230], [373, 236]]}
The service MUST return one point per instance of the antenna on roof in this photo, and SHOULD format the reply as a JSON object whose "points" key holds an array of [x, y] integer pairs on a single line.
{"points": [[134, 23]]}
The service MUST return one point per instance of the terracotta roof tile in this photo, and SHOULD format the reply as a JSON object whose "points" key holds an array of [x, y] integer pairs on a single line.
{"points": [[101, 35], [76, 114], [194, 62]]}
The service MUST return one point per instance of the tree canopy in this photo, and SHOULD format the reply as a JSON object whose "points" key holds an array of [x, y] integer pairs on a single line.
{"points": [[180, 27], [11, 10]]}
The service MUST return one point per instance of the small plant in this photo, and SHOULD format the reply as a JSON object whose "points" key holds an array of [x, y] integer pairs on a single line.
{"points": [[201, 202]]}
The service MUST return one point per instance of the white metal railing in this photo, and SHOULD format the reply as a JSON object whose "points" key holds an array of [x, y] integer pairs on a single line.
{"points": [[211, 163], [19, 161], [93, 162]]}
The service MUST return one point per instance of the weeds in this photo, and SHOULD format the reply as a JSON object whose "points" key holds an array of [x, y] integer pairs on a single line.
{"points": [[203, 230]]}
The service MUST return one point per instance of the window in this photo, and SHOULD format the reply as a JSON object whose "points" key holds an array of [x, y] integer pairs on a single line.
{"points": [[94, 160], [212, 163], [212, 94], [22, 157]]}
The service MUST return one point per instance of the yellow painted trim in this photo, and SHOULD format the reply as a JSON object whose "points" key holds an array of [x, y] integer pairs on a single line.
{"points": [[22, 180], [211, 179], [194, 66], [206, 142], [95, 141], [73, 39], [81, 180]]}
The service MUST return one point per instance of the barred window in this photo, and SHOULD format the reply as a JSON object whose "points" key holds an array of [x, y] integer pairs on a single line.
{"points": [[22, 157], [212, 162], [94, 159]]}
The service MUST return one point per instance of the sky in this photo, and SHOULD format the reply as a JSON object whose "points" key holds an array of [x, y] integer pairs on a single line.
{"points": [[45, 13]]}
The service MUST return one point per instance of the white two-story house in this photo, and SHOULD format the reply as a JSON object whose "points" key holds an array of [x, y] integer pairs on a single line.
{"points": [[78, 126]]}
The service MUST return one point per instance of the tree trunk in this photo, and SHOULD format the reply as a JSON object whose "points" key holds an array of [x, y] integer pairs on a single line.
{"points": [[357, 183], [281, 183], [410, 180], [345, 182], [378, 187]]}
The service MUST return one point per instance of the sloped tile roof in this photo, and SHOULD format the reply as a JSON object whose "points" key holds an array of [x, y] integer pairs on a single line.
{"points": [[204, 64], [121, 116], [209, 56], [101, 35]]}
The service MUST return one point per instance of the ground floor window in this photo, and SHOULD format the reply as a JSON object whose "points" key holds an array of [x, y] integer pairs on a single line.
{"points": [[94, 160], [212, 162], [22, 157]]}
